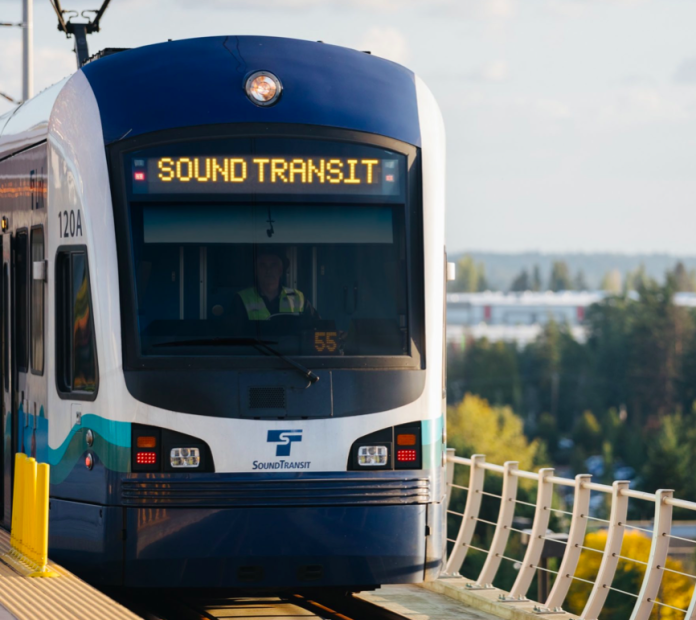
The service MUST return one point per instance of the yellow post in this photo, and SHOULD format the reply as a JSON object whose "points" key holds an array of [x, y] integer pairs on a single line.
{"points": [[17, 498], [29, 528], [42, 481]]}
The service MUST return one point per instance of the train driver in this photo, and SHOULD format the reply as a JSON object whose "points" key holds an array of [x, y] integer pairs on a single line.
{"points": [[268, 298]]}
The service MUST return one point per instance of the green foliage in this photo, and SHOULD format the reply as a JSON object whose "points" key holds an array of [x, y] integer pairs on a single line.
{"points": [[587, 433], [659, 333], [536, 279], [471, 277], [637, 279], [627, 393], [669, 456], [547, 431], [475, 427], [684, 280], [676, 588], [560, 277], [579, 282], [489, 370], [521, 283], [612, 282]]}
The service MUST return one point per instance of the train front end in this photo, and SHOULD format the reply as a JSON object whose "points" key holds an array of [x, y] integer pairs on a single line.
{"points": [[268, 288]]}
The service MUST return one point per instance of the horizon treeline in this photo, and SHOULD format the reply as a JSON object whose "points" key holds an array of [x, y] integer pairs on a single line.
{"points": [[471, 277]]}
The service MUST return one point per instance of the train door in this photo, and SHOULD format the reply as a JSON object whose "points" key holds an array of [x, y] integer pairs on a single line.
{"points": [[20, 340], [8, 419]]}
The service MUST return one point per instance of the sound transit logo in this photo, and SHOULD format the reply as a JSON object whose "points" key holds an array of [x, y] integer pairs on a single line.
{"points": [[284, 439]]}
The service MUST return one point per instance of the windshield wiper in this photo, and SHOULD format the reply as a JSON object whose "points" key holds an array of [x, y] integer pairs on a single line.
{"points": [[257, 343]]}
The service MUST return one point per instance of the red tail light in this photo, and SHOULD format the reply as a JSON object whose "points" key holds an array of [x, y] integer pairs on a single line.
{"points": [[406, 456], [146, 458]]}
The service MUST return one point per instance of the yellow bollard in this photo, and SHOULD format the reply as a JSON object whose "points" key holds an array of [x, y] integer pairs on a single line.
{"points": [[41, 538], [29, 517], [29, 535], [17, 497]]}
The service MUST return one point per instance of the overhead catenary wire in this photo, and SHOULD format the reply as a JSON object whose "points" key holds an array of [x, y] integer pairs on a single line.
{"points": [[10, 99]]}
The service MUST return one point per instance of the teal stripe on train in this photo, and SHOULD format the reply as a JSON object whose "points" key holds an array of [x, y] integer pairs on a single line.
{"points": [[432, 443], [112, 441]]}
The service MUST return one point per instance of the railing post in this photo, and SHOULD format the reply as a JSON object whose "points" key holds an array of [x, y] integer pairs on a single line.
{"points": [[691, 611], [612, 550], [658, 556], [576, 536], [540, 524], [502, 528], [449, 472], [471, 513]]}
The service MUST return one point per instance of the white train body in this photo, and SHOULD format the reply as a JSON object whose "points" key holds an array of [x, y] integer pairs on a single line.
{"points": [[279, 480]]}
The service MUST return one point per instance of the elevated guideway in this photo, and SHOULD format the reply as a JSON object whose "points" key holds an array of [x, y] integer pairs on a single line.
{"points": [[485, 594]]}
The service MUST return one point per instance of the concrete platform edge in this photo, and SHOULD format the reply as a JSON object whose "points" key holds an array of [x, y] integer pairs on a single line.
{"points": [[486, 600]]}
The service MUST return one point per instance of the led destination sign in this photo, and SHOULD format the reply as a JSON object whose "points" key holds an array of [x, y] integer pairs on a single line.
{"points": [[267, 175]]}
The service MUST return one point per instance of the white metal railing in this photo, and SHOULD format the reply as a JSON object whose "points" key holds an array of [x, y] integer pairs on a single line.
{"points": [[619, 492]]}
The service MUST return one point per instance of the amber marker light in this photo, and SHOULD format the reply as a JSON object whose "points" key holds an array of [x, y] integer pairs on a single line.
{"points": [[263, 88], [406, 440], [147, 442]]}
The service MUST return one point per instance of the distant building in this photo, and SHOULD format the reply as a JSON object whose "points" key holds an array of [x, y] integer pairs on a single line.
{"points": [[520, 317]]}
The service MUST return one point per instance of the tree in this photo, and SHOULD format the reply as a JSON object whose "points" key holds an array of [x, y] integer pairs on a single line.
{"points": [[609, 324], [560, 277], [676, 589], [686, 385], [471, 276], [669, 457], [611, 282], [684, 281], [547, 431], [490, 370], [660, 332], [521, 282], [540, 368], [579, 282], [536, 279], [474, 427], [587, 433], [637, 278]]}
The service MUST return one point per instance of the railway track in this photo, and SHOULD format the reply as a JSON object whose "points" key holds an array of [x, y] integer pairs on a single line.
{"points": [[164, 606]]}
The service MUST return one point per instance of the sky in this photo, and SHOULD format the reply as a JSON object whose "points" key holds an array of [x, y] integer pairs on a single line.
{"points": [[571, 124]]}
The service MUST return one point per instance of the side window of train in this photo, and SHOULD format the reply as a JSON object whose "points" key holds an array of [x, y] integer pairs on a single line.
{"points": [[38, 283], [76, 352], [6, 326], [22, 299]]}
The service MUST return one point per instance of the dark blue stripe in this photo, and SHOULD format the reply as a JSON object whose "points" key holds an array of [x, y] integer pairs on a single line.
{"points": [[200, 82]]}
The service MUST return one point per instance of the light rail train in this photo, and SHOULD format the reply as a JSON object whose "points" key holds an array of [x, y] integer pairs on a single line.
{"points": [[222, 315]]}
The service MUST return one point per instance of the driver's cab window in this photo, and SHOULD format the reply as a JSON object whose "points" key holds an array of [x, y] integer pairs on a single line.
{"points": [[320, 280]]}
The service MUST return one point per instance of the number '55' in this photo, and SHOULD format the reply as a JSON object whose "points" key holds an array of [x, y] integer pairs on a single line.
{"points": [[325, 341]]}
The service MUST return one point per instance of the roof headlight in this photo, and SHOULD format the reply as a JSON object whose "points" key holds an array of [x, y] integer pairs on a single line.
{"points": [[263, 88]]}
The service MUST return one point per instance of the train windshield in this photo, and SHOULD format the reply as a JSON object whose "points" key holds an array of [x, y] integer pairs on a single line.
{"points": [[233, 269]]}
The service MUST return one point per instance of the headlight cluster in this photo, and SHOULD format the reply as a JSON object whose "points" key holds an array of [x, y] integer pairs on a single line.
{"points": [[398, 447], [184, 457], [161, 450]]}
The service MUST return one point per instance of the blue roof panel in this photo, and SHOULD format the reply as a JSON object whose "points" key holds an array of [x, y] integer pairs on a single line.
{"points": [[201, 82]]}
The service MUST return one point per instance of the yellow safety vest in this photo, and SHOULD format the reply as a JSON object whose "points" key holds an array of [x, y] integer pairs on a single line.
{"points": [[291, 302]]}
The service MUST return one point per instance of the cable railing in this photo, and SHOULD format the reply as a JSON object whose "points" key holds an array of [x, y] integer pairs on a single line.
{"points": [[646, 598]]}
